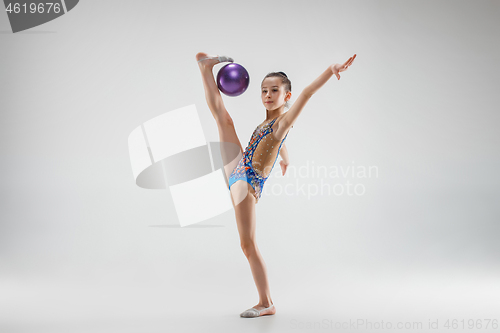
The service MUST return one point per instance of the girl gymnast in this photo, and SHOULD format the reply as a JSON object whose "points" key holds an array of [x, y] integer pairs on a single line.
{"points": [[247, 173]]}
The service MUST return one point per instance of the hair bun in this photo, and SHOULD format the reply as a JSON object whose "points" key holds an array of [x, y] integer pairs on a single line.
{"points": [[283, 74]]}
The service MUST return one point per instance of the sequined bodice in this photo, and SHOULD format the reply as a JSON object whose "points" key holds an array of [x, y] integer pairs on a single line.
{"points": [[263, 149], [259, 157]]}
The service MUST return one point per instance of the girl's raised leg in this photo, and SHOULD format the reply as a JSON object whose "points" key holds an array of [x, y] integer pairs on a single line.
{"points": [[231, 149], [242, 193]]}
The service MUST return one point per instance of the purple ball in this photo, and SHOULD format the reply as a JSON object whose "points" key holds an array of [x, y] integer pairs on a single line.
{"points": [[233, 79]]}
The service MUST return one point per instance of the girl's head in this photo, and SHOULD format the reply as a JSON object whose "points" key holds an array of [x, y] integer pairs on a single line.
{"points": [[276, 90]]}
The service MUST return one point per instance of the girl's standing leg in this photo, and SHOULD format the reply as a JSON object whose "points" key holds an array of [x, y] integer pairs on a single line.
{"points": [[246, 222], [241, 191]]}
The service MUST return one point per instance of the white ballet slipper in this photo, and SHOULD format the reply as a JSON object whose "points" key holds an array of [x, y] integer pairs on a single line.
{"points": [[253, 312], [220, 58]]}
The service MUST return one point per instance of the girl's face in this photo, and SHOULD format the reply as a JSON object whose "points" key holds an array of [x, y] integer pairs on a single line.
{"points": [[273, 93]]}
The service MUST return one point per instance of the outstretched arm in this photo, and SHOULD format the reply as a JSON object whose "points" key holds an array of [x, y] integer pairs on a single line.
{"points": [[291, 116]]}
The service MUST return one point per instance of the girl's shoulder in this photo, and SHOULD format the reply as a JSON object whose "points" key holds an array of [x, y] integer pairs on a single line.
{"points": [[281, 116], [279, 131]]}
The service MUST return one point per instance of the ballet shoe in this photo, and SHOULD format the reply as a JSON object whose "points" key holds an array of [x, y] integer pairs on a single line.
{"points": [[220, 58], [253, 312]]}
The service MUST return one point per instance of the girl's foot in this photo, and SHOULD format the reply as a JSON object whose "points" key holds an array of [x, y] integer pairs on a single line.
{"points": [[259, 311], [205, 60]]}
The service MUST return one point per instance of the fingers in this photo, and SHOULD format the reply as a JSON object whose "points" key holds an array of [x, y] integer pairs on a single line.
{"points": [[348, 63], [351, 59], [344, 67]]}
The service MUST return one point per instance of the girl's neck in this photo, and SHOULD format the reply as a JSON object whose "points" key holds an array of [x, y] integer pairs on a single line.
{"points": [[274, 113]]}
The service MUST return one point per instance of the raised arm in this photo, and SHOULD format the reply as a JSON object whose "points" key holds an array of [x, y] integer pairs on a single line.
{"points": [[291, 115]]}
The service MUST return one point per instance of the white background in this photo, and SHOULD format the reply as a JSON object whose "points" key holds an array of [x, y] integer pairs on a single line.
{"points": [[83, 249]]}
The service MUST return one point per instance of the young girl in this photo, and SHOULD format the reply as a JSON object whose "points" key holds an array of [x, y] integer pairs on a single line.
{"points": [[247, 173]]}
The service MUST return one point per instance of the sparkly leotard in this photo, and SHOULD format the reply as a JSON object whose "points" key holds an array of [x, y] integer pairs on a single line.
{"points": [[262, 149]]}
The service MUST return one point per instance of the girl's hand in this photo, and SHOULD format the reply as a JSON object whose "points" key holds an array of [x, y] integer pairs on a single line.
{"points": [[337, 68], [283, 167]]}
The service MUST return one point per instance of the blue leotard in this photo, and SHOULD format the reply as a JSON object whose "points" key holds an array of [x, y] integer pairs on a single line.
{"points": [[262, 149]]}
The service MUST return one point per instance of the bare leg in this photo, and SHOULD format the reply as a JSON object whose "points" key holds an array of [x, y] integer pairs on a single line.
{"points": [[246, 222], [242, 193], [231, 149]]}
